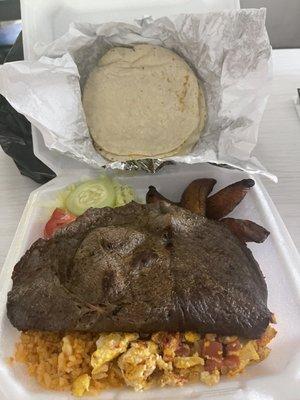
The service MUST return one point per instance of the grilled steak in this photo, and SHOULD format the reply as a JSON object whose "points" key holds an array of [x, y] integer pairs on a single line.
{"points": [[141, 268]]}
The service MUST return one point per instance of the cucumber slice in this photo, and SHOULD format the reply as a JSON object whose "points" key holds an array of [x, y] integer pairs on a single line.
{"points": [[96, 193]]}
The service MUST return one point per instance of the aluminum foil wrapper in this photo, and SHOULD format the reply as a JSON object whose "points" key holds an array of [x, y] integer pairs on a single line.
{"points": [[229, 52]]}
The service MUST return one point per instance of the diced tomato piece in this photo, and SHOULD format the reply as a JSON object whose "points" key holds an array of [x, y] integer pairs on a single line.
{"points": [[183, 350], [212, 350], [59, 218], [232, 362], [212, 365]]}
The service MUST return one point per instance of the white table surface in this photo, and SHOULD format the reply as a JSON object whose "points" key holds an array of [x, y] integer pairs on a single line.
{"points": [[278, 149]]}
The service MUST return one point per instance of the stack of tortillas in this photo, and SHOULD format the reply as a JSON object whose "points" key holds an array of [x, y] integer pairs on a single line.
{"points": [[143, 101]]}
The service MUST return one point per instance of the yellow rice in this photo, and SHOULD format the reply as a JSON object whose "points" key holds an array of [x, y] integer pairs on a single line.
{"points": [[62, 361]]}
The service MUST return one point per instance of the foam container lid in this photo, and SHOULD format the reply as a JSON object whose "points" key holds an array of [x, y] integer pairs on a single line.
{"points": [[45, 21], [276, 378]]}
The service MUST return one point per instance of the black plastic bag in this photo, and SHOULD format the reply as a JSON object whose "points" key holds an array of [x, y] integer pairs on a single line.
{"points": [[15, 133]]}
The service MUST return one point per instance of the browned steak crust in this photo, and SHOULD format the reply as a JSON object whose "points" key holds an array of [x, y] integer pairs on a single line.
{"points": [[140, 268]]}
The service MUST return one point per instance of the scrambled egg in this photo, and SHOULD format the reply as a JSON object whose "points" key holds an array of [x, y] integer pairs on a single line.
{"points": [[187, 362], [81, 385], [210, 379], [191, 337], [166, 358], [168, 342], [109, 346], [247, 354], [138, 363]]}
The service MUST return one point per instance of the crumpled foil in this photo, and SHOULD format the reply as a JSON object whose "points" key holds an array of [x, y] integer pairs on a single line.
{"points": [[229, 52]]}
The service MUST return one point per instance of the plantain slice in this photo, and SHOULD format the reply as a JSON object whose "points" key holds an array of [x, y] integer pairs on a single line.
{"points": [[223, 202], [153, 196], [195, 195], [245, 230]]}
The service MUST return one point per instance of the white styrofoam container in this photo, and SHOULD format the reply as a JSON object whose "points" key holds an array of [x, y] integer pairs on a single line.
{"points": [[278, 377]]}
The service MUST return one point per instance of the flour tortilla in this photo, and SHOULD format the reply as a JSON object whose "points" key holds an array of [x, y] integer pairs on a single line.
{"points": [[143, 101]]}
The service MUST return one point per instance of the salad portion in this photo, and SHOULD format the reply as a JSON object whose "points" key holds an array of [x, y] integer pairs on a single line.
{"points": [[95, 193]]}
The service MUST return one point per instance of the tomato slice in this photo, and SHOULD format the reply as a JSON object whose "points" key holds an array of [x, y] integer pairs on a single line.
{"points": [[59, 218]]}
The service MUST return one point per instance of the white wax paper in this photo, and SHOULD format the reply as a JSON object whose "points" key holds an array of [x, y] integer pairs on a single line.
{"points": [[229, 51]]}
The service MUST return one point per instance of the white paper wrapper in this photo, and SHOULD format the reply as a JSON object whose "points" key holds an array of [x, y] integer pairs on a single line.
{"points": [[229, 51]]}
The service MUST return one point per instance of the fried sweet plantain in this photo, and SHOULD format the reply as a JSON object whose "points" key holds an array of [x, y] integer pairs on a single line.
{"points": [[223, 202], [245, 230], [195, 195]]}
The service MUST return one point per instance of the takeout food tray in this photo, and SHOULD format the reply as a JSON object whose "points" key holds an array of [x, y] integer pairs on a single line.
{"points": [[275, 378]]}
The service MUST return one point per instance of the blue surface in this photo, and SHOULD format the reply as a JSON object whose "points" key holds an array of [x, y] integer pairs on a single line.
{"points": [[9, 32]]}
